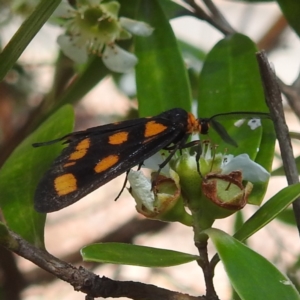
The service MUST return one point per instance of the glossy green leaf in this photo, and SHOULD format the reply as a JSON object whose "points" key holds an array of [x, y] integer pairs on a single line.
{"points": [[230, 82], [251, 275], [268, 211], [128, 254], [264, 157], [291, 11], [172, 9], [25, 34], [230, 78], [161, 77], [22, 171]]}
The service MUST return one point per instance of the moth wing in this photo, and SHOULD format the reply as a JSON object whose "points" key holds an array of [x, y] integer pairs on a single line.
{"points": [[90, 161]]}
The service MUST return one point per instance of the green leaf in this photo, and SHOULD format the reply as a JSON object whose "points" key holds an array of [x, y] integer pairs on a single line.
{"points": [[172, 9], [268, 211], [22, 171], [264, 157], [251, 275], [230, 78], [127, 254], [291, 11], [161, 77], [230, 82], [25, 34]]}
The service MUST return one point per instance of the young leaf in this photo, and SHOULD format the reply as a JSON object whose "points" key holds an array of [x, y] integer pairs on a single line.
{"points": [[230, 82], [25, 34], [268, 211], [251, 275], [128, 254]]}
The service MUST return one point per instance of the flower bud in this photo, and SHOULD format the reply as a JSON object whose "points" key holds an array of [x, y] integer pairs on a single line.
{"points": [[160, 199]]}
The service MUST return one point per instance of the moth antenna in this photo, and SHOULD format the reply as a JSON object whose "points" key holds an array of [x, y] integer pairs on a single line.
{"points": [[35, 145]]}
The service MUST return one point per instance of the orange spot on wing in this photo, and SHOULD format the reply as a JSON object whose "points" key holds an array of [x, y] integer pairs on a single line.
{"points": [[106, 163], [118, 138], [81, 149], [152, 128], [65, 184]]}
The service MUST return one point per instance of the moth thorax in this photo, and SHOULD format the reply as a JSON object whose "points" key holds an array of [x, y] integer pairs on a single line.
{"points": [[193, 125]]}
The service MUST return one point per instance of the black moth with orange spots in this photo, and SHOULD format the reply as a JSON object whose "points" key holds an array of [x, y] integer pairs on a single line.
{"points": [[95, 156]]}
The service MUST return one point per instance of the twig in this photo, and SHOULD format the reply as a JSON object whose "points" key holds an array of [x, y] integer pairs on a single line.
{"points": [[124, 234], [271, 38], [208, 272], [216, 19], [274, 102], [85, 281]]}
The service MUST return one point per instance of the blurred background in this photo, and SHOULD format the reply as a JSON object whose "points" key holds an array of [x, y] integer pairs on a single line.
{"points": [[97, 217]]}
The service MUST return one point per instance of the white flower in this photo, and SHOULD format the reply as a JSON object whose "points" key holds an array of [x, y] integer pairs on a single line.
{"points": [[136, 27], [70, 47], [117, 59], [160, 198], [251, 171], [141, 189], [94, 28], [155, 160], [254, 123]]}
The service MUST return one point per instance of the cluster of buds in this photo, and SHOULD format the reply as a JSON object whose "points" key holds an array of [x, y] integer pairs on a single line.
{"points": [[221, 188]]}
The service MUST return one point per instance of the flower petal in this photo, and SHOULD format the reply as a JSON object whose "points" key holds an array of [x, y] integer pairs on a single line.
{"points": [[141, 189], [64, 10], [93, 2], [136, 27], [69, 48], [155, 160], [117, 59], [251, 171], [111, 8], [254, 123]]}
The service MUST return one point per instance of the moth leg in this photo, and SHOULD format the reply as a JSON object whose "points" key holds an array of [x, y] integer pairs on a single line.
{"points": [[198, 152], [172, 150], [178, 146], [124, 185], [125, 181]]}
